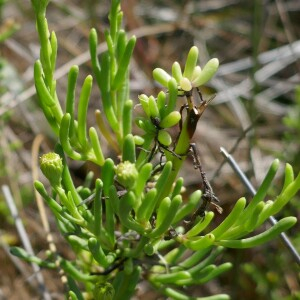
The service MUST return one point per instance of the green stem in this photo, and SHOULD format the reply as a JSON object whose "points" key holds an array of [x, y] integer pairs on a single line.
{"points": [[181, 150]]}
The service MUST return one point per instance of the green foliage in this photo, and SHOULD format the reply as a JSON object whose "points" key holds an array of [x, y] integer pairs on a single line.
{"points": [[138, 213], [292, 122], [267, 274]]}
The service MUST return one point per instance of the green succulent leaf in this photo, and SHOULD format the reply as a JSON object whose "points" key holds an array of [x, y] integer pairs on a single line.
{"points": [[207, 72], [21, 253], [170, 120], [161, 76], [271, 233], [176, 71]]}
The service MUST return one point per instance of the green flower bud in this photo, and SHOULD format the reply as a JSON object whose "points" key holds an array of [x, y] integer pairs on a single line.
{"points": [[185, 84], [161, 76], [176, 71], [207, 73], [191, 62], [127, 174], [104, 291], [170, 120], [52, 167], [164, 138]]}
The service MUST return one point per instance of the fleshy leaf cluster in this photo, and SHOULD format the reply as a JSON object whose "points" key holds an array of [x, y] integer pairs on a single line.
{"points": [[192, 76]]}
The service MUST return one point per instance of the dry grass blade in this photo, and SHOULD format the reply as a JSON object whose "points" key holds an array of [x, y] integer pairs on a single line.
{"points": [[25, 239]]}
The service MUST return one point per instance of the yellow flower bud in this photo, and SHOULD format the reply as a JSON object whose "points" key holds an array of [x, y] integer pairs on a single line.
{"points": [[127, 174], [52, 167]]}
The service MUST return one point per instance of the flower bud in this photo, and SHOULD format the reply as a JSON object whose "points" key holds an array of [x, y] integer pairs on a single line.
{"points": [[127, 174], [52, 167], [104, 291]]}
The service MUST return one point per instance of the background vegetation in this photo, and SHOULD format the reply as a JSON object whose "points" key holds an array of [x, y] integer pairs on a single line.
{"points": [[258, 46]]}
